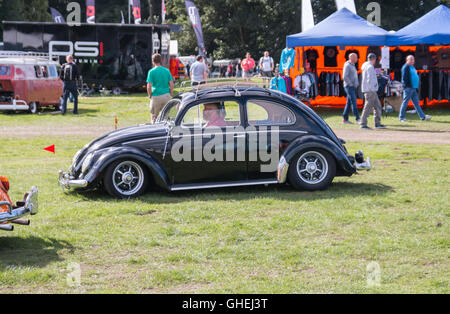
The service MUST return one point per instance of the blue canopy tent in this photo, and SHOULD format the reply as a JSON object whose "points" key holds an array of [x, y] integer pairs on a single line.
{"points": [[342, 28], [432, 28]]}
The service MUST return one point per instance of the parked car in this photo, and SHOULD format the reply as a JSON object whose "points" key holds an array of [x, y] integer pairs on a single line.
{"points": [[28, 81], [126, 162], [11, 213]]}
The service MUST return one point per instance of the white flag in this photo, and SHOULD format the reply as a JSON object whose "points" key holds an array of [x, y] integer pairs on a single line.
{"points": [[307, 15]]}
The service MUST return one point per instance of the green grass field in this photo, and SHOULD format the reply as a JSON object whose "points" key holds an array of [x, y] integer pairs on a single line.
{"points": [[239, 240]]}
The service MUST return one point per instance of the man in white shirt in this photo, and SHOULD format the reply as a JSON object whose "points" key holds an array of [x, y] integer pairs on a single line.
{"points": [[369, 87], [199, 72], [266, 65]]}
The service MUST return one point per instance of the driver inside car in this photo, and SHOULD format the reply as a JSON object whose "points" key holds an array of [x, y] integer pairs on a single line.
{"points": [[214, 115]]}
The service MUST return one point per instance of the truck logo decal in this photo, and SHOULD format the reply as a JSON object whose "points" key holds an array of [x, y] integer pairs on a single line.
{"points": [[77, 49]]}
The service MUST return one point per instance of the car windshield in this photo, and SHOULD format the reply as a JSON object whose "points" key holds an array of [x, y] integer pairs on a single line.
{"points": [[170, 111]]}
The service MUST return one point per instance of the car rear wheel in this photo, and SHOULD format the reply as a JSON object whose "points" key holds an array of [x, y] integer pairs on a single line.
{"points": [[126, 179], [33, 107], [312, 170]]}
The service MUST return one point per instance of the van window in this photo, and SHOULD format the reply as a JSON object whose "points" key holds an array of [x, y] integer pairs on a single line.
{"points": [[44, 71], [5, 70], [37, 70], [53, 72]]}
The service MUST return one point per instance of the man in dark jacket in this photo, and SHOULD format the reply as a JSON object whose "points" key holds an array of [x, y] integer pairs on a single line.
{"points": [[70, 74], [410, 82]]}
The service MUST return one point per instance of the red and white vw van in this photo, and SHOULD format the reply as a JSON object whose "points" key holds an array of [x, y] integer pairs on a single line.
{"points": [[29, 81]]}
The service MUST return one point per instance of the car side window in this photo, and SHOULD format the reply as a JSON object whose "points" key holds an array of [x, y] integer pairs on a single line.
{"points": [[213, 114], [37, 70], [44, 71], [53, 72], [264, 112]]}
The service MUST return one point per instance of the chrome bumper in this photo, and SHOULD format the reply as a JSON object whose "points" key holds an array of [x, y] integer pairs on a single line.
{"points": [[15, 105], [30, 207], [68, 182]]}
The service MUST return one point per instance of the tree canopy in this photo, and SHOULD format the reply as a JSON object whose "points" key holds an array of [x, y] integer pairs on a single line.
{"points": [[231, 27]]}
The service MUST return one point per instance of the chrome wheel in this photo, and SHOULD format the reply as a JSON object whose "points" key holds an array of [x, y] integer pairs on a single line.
{"points": [[128, 178], [312, 167]]}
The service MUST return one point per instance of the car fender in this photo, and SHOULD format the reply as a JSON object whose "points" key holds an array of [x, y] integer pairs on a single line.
{"points": [[321, 142], [103, 158]]}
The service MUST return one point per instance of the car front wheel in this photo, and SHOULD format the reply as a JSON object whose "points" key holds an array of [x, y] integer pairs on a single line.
{"points": [[126, 179], [312, 170]]}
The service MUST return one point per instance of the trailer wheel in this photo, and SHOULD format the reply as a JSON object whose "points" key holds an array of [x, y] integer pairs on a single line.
{"points": [[117, 91], [33, 107]]}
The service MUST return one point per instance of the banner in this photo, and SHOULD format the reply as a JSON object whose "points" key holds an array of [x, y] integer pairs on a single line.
{"points": [[307, 15], [90, 11], [349, 4], [194, 16], [136, 11], [163, 12], [57, 17]]}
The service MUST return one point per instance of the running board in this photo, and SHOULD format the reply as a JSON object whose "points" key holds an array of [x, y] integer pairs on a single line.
{"points": [[184, 187]]}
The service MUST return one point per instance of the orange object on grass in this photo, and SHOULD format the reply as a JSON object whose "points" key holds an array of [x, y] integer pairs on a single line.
{"points": [[4, 197]]}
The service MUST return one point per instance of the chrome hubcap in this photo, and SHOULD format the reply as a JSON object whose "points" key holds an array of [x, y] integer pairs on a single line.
{"points": [[128, 178], [312, 167]]}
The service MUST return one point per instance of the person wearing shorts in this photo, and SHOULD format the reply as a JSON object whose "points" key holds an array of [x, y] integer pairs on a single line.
{"points": [[159, 87], [266, 65]]}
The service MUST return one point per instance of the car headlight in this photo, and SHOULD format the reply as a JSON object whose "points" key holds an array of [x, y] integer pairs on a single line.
{"points": [[86, 163]]}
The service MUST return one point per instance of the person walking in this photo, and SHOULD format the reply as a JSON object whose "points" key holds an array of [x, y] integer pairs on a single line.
{"points": [[159, 87], [351, 83], [69, 75], [248, 64], [199, 72], [369, 87], [266, 65], [410, 83]]}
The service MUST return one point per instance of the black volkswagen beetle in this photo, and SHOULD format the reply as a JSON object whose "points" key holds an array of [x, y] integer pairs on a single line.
{"points": [[221, 137]]}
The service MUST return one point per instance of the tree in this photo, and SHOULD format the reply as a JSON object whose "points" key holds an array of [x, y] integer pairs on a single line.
{"points": [[35, 10]]}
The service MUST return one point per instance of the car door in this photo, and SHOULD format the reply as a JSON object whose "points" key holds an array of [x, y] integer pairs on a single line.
{"points": [[270, 129], [209, 144]]}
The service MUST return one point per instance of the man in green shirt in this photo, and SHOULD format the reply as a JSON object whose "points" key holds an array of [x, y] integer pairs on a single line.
{"points": [[159, 87]]}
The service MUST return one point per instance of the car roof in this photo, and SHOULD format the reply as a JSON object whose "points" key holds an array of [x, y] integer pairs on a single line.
{"points": [[236, 91]]}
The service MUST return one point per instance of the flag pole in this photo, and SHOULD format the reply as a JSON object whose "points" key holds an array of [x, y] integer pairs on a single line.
{"points": [[129, 12]]}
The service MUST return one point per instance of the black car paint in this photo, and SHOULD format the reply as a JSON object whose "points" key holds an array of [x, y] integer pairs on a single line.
{"points": [[151, 144]]}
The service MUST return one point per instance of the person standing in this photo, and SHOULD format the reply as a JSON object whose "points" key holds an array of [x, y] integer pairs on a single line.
{"points": [[69, 75], [351, 83], [410, 82], [248, 64], [159, 87], [369, 87], [199, 72], [266, 65], [238, 68]]}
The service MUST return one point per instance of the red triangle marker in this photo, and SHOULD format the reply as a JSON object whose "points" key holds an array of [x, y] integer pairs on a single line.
{"points": [[50, 149]]}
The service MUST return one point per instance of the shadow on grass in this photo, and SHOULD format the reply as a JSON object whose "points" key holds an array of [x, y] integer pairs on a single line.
{"points": [[30, 251], [278, 192]]}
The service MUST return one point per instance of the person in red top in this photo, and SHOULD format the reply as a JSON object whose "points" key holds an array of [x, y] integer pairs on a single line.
{"points": [[213, 115], [248, 64]]}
